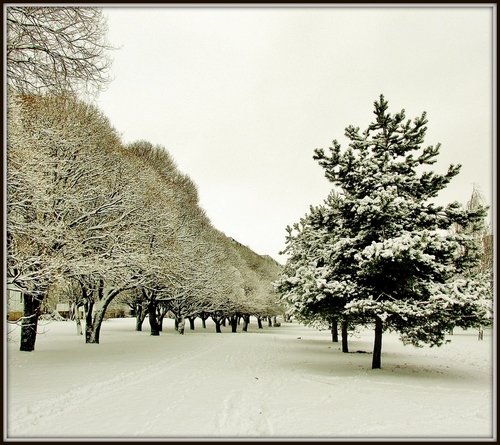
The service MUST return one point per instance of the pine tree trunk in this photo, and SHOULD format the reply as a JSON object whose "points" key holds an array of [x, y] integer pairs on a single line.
{"points": [[377, 345], [335, 332], [345, 346], [259, 322], [29, 322]]}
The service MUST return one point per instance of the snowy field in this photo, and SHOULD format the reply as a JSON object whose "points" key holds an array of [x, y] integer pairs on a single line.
{"points": [[289, 382]]}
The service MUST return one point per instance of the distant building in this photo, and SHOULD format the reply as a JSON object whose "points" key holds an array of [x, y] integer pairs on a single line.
{"points": [[63, 309]]}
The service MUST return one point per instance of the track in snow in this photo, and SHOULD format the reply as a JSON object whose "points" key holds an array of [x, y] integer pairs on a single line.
{"points": [[277, 382]]}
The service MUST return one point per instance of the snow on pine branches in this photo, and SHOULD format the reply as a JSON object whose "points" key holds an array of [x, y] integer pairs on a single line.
{"points": [[378, 250]]}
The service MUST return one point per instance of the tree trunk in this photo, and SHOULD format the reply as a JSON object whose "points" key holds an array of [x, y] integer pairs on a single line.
{"points": [[140, 316], [176, 324], [78, 323], [480, 334], [29, 322], [377, 345], [160, 315], [269, 321], [88, 307], [153, 321], [275, 321], [239, 319], [259, 322], [191, 323], [246, 322], [223, 322], [72, 310], [181, 324], [94, 321], [95, 328], [204, 322], [74, 315], [217, 320], [234, 323], [335, 332], [345, 347]]}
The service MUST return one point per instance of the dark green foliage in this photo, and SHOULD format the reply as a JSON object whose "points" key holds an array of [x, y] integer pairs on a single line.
{"points": [[379, 251]]}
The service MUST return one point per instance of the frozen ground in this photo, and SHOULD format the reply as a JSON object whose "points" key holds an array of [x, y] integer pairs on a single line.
{"points": [[289, 381]]}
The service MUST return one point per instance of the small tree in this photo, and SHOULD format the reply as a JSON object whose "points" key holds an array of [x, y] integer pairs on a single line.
{"points": [[481, 245]]}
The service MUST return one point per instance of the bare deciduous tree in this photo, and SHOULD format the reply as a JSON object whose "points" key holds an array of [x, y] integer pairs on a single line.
{"points": [[56, 49]]}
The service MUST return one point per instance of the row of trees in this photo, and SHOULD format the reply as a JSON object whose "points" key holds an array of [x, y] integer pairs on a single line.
{"points": [[97, 218], [251, 273], [86, 212], [378, 252]]}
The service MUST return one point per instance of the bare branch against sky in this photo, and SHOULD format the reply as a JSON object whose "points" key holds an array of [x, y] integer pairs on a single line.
{"points": [[241, 97]]}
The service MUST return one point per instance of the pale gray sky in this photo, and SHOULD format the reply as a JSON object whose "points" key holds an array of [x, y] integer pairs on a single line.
{"points": [[241, 97]]}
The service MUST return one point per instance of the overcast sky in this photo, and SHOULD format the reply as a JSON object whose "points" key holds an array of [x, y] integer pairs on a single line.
{"points": [[241, 97]]}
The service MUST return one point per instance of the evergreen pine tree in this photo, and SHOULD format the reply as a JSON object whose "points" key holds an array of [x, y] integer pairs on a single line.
{"points": [[389, 256], [405, 261]]}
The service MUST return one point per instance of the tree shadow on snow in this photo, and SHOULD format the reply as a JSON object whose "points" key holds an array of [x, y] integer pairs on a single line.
{"points": [[325, 359]]}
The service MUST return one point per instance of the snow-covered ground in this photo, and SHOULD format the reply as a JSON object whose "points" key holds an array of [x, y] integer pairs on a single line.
{"points": [[290, 381]]}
